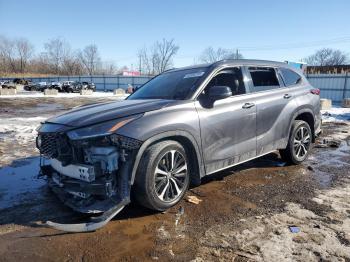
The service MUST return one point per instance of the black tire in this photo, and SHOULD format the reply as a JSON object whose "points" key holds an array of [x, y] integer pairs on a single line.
{"points": [[291, 153], [147, 179]]}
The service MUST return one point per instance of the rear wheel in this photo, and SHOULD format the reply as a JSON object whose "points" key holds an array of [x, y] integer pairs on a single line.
{"points": [[299, 143], [163, 176]]}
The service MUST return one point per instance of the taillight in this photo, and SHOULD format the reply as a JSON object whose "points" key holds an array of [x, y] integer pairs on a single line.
{"points": [[315, 91]]}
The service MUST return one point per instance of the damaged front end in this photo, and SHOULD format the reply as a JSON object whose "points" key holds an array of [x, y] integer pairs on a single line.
{"points": [[88, 170]]}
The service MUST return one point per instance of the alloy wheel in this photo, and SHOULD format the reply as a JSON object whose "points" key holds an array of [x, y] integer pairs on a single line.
{"points": [[170, 176], [301, 143]]}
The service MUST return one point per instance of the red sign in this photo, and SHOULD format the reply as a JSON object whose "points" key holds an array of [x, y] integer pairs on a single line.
{"points": [[131, 73]]}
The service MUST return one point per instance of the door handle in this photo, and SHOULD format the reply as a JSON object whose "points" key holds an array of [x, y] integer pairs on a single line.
{"points": [[248, 105], [287, 96]]}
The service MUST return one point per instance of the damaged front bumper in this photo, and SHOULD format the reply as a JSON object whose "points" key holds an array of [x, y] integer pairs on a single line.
{"points": [[96, 180], [94, 224]]}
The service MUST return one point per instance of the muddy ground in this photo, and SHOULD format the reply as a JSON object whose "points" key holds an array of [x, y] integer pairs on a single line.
{"points": [[245, 213]]}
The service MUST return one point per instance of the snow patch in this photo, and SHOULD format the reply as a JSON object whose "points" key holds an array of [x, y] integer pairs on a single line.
{"points": [[19, 128], [336, 114]]}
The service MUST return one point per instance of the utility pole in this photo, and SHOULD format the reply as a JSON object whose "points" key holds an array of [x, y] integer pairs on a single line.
{"points": [[140, 64], [236, 53]]}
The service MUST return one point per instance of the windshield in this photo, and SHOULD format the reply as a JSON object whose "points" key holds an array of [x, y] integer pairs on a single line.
{"points": [[175, 85]]}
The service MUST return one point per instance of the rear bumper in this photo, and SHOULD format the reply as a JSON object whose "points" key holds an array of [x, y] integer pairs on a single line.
{"points": [[318, 131], [318, 125]]}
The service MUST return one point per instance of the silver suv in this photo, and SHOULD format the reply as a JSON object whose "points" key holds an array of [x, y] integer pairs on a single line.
{"points": [[177, 128]]}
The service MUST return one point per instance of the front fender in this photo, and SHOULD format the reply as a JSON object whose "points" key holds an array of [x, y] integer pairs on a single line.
{"points": [[170, 135]]}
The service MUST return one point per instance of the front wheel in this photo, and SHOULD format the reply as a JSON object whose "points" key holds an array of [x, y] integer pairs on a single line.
{"points": [[163, 176], [299, 143]]}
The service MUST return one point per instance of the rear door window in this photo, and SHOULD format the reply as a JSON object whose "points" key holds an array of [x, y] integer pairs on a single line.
{"points": [[263, 78], [290, 77]]}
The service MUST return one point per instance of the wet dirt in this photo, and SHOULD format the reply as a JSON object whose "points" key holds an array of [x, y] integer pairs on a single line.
{"points": [[247, 197]]}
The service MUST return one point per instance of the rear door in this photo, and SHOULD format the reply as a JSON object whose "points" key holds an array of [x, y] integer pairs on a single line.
{"points": [[228, 126], [274, 102]]}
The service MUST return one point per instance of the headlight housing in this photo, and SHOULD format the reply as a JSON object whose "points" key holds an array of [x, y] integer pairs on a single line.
{"points": [[101, 129]]}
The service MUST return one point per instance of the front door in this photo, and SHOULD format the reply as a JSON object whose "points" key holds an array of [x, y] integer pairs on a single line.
{"points": [[228, 127]]}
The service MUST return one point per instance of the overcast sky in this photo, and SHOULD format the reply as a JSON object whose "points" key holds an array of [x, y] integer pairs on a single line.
{"points": [[274, 30]]}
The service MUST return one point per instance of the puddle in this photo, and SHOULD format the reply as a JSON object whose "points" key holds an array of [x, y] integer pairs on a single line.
{"points": [[323, 161], [323, 179], [19, 182]]}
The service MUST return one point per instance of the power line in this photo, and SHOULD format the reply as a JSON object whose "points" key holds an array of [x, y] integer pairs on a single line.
{"points": [[281, 46], [285, 46], [345, 39]]}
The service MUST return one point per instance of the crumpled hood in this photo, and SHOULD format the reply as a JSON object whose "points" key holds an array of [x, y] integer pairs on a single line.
{"points": [[100, 112]]}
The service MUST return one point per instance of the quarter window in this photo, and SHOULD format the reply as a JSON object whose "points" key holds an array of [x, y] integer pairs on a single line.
{"points": [[264, 78], [290, 77]]}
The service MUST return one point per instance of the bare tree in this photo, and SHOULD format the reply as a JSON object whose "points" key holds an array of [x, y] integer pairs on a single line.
{"points": [[56, 50], [211, 55], [90, 58], [108, 68], [149, 59], [158, 58], [24, 51], [327, 57], [17, 55], [145, 66], [165, 50], [71, 64], [8, 54], [40, 64]]}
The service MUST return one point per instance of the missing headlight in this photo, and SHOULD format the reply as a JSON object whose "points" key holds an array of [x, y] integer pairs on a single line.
{"points": [[106, 157], [125, 142]]}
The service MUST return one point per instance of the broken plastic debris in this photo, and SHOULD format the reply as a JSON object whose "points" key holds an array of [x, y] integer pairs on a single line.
{"points": [[193, 199], [334, 143], [94, 224], [331, 142], [294, 229]]}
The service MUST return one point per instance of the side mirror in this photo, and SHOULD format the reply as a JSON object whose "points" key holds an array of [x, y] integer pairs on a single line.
{"points": [[219, 92]]}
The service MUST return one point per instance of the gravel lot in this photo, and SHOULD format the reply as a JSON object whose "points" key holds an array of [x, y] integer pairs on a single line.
{"points": [[245, 214]]}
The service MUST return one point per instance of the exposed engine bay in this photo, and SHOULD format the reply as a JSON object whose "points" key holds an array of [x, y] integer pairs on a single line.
{"points": [[90, 175]]}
